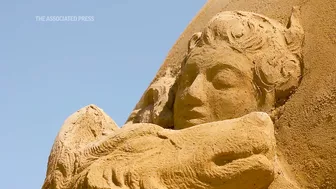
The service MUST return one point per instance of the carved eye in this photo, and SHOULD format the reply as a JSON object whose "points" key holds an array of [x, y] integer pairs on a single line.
{"points": [[223, 80]]}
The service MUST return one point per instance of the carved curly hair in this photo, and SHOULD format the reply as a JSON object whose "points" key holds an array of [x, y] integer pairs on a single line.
{"points": [[275, 50]]}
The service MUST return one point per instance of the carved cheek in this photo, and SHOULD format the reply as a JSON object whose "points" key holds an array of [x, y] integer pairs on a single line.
{"points": [[232, 102], [220, 102], [246, 99]]}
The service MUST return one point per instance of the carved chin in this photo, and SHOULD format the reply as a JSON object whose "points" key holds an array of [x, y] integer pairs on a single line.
{"points": [[196, 121], [190, 122]]}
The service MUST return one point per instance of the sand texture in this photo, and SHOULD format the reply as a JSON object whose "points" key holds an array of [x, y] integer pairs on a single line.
{"points": [[246, 99]]}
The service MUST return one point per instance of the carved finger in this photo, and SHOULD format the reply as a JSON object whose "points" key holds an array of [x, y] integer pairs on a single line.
{"points": [[254, 172]]}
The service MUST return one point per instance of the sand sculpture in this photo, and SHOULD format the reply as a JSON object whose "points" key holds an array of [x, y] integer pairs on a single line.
{"points": [[208, 124]]}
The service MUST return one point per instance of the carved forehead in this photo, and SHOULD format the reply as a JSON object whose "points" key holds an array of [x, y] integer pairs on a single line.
{"points": [[242, 16], [218, 57]]}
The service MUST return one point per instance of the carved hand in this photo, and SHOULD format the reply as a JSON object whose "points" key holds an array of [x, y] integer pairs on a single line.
{"points": [[235, 154]]}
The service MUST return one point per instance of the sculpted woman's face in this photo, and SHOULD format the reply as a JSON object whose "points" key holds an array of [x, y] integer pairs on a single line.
{"points": [[216, 84]]}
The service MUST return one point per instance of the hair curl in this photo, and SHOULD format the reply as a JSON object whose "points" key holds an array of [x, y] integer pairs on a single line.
{"points": [[275, 50]]}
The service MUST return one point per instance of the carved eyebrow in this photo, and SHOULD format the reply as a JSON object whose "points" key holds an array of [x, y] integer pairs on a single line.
{"points": [[221, 66]]}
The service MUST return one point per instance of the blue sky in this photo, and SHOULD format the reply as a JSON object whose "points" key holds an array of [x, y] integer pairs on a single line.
{"points": [[48, 70]]}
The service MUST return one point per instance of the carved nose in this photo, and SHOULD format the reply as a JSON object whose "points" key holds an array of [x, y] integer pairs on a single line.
{"points": [[195, 93]]}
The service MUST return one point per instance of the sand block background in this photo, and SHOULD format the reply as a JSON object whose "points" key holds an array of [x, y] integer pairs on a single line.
{"points": [[306, 132]]}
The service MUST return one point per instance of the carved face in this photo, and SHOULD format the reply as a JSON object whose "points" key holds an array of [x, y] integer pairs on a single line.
{"points": [[216, 84]]}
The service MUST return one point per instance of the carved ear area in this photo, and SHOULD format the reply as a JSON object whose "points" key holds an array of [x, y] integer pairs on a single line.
{"points": [[291, 72], [194, 40], [294, 34], [281, 79]]}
